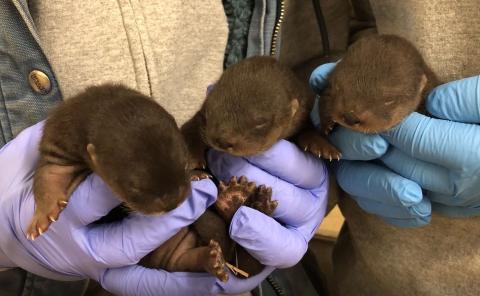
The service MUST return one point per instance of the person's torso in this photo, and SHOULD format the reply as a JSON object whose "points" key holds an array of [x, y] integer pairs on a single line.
{"points": [[171, 50], [441, 258]]}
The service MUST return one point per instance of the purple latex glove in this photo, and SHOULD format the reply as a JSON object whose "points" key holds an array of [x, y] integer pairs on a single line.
{"points": [[299, 183], [72, 249]]}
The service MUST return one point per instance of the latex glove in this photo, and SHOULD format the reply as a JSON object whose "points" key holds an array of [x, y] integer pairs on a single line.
{"points": [[72, 249], [422, 163], [299, 183]]}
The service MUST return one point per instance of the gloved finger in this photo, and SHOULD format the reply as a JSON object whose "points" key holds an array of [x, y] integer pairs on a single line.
{"points": [[319, 77], [272, 244], [90, 201], [428, 175], [466, 193], [457, 100], [293, 202], [379, 184], [358, 146], [455, 211], [282, 160], [449, 144], [413, 216], [20, 156], [141, 281], [128, 241], [413, 222]]}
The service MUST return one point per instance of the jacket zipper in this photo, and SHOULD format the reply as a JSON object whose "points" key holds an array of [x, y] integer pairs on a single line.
{"points": [[276, 30]]}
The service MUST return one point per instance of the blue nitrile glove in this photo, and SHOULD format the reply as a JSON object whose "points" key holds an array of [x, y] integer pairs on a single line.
{"points": [[299, 183], [420, 164]]}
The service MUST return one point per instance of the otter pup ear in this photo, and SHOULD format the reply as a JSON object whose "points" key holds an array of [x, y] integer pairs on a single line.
{"points": [[92, 155], [422, 85], [294, 105]]}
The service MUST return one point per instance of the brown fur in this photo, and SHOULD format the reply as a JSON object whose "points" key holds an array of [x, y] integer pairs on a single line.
{"points": [[380, 80], [206, 245], [254, 104], [124, 137], [135, 146]]}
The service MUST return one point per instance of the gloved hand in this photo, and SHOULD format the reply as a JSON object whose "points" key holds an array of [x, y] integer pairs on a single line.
{"points": [[299, 183], [420, 164], [72, 248]]}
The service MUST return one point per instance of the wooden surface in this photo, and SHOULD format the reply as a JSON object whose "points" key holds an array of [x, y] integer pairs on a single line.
{"points": [[331, 225]]}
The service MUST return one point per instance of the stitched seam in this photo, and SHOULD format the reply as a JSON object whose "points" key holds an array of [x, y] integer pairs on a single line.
{"points": [[137, 76], [3, 106], [27, 19], [128, 40], [143, 50]]}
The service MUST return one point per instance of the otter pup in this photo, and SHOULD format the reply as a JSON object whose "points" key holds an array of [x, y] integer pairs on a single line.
{"points": [[380, 80], [135, 146], [254, 104], [205, 245], [129, 140]]}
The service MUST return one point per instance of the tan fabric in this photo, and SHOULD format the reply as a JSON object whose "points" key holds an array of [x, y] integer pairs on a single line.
{"points": [[300, 36], [373, 258], [169, 49], [446, 32]]}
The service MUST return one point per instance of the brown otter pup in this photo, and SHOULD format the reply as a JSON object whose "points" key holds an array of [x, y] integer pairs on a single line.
{"points": [[135, 146], [129, 140], [380, 80], [254, 104], [206, 246]]}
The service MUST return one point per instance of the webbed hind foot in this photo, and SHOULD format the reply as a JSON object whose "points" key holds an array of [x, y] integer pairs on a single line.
{"points": [[216, 262]]}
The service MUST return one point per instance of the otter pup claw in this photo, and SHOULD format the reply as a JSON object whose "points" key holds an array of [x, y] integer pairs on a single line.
{"points": [[197, 175], [317, 145]]}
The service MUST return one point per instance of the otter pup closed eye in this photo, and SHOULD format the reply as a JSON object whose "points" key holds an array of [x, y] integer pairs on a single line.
{"points": [[380, 80]]}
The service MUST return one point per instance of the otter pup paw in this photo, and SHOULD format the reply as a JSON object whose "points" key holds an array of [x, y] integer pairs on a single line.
{"points": [[197, 175], [324, 149], [233, 195], [313, 142], [262, 201], [215, 263], [45, 214]]}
